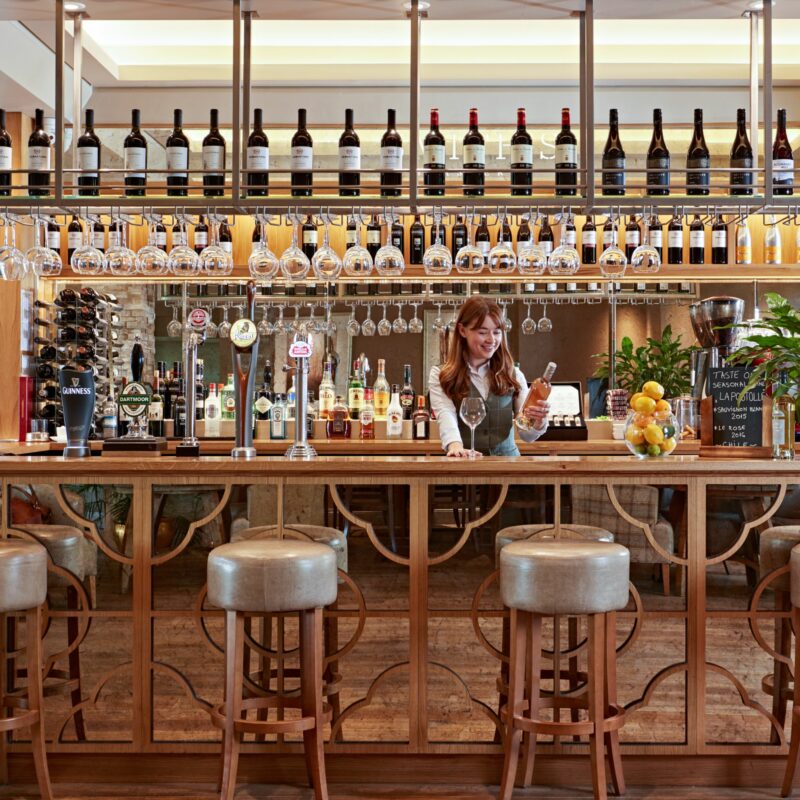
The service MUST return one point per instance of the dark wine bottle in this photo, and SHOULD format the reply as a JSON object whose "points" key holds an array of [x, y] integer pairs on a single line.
{"points": [[200, 235], [161, 236], [349, 158], [302, 158], [257, 158], [391, 158], [613, 158], [474, 157], [719, 241], [177, 158], [74, 236], [656, 233], [6, 156], [675, 240], [417, 238], [434, 157], [546, 237], [782, 159], [566, 157], [373, 235], [89, 158], [633, 236], [397, 236], [39, 158], [483, 239], [135, 157], [53, 235], [521, 157], [697, 241], [608, 233], [310, 237], [589, 242], [99, 236], [657, 159], [741, 158], [698, 157], [458, 235], [213, 158], [225, 237]]}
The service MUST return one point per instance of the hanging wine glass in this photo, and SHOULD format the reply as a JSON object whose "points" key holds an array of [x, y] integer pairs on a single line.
{"points": [[389, 261], [13, 264], [502, 258], [326, 262], [469, 259], [212, 329], [43, 261], [183, 260], [294, 262], [280, 323], [214, 259], [329, 328], [174, 327], [415, 324], [645, 259], [353, 326], [87, 259], [399, 325], [439, 323], [529, 323], [368, 326], [263, 263], [613, 260], [545, 325], [120, 259], [565, 259], [151, 260], [357, 259], [225, 326], [531, 259], [384, 326], [265, 327], [296, 325], [312, 324], [505, 319]]}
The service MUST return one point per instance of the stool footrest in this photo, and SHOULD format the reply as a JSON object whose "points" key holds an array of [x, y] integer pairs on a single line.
{"points": [[768, 685], [329, 686], [21, 720], [217, 714], [613, 722]]}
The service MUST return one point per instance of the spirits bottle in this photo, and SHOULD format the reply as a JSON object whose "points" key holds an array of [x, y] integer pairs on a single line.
{"points": [[327, 392], [783, 416], [355, 391], [155, 411], [263, 401], [772, 243], [407, 393], [228, 399], [277, 418], [540, 390], [109, 415], [212, 411], [366, 416], [381, 391], [179, 412], [744, 243], [394, 415], [338, 426], [421, 420]]}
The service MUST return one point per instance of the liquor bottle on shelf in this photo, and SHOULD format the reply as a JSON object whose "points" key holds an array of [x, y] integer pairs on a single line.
{"points": [[656, 233], [657, 159], [697, 241], [521, 157], [546, 237], [109, 417], [177, 158], [772, 242], [613, 158], [675, 240], [633, 236], [539, 391], [783, 427], [311, 415], [327, 391], [134, 156], [200, 235], [199, 391], [155, 411], [407, 393], [310, 237], [719, 240], [698, 157], [89, 158], [391, 158], [291, 398], [741, 158], [257, 180], [225, 236], [53, 235], [338, 424], [213, 158], [417, 239], [782, 159], [355, 391], [39, 158], [373, 235], [394, 415], [277, 418], [6, 156], [434, 157], [161, 236], [228, 400], [483, 239], [366, 417], [213, 411], [458, 236], [397, 235], [179, 411], [474, 157], [165, 380], [349, 158], [744, 243], [421, 420], [381, 391], [589, 242], [566, 157], [302, 158], [263, 402]]}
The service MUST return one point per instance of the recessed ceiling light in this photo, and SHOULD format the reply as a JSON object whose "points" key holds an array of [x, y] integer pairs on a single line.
{"points": [[73, 7], [757, 5], [423, 5]]}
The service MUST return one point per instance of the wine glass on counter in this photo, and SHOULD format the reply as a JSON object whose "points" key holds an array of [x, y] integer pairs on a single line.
{"points": [[472, 413], [294, 262], [13, 265]]}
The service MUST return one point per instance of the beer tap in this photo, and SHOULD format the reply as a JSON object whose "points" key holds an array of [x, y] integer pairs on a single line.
{"points": [[300, 350], [244, 348], [198, 322]]}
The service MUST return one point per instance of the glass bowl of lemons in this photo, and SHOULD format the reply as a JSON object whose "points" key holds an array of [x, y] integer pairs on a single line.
{"points": [[651, 426]]}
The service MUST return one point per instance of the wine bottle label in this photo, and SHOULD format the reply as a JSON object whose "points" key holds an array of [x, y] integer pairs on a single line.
{"points": [[566, 154], [310, 237], [213, 159], [98, 239], [522, 154], [434, 155], [350, 237], [178, 159], [698, 178], [155, 412], [484, 247], [74, 240], [373, 237], [38, 157], [546, 246], [114, 238], [180, 239], [135, 161], [161, 238], [608, 238], [258, 157], [632, 238], [657, 237], [783, 171], [614, 178], [741, 178], [88, 161], [571, 238], [302, 158], [200, 238], [719, 238], [474, 155], [772, 254], [391, 158], [697, 239], [590, 238], [675, 239], [227, 246], [5, 157], [54, 240], [744, 254], [349, 158], [658, 171]]}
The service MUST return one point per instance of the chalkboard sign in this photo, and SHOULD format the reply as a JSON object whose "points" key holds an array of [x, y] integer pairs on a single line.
{"points": [[735, 425]]}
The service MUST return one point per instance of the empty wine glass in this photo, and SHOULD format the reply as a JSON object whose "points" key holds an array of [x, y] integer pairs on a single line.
{"points": [[183, 260], [87, 259], [368, 326], [43, 261], [13, 265], [280, 323], [329, 327], [151, 260], [544, 325], [565, 259], [439, 323], [502, 258], [263, 263], [645, 259], [224, 326], [399, 325], [294, 262], [612, 260], [353, 325], [531, 259], [415, 324], [529, 323], [295, 324], [212, 329], [437, 260], [357, 259], [389, 261], [174, 327], [214, 259], [265, 327], [384, 326], [469, 259], [312, 324], [326, 262], [472, 413]]}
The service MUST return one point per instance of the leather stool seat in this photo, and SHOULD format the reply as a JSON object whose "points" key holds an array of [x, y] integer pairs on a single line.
{"points": [[564, 577], [64, 545], [272, 576], [775, 547], [517, 533], [332, 537], [23, 575]]}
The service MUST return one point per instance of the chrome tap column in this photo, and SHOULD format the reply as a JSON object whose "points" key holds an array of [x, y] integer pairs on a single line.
{"points": [[244, 348], [198, 322], [300, 350]]}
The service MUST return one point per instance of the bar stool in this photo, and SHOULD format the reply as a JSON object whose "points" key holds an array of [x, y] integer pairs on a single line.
{"points": [[548, 578], [775, 548], [23, 588], [794, 743], [272, 576]]}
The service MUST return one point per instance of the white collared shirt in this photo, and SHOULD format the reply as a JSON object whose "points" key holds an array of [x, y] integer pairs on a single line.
{"points": [[447, 414]]}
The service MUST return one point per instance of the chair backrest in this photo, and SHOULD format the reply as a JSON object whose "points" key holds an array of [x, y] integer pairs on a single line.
{"points": [[591, 505]]}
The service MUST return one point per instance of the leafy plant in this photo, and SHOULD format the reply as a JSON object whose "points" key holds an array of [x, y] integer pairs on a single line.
{"points": [[664, 360], [775, 354]]}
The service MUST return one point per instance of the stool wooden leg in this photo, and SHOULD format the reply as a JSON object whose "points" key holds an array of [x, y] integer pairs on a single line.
{"points": [[533, 674], [73, 631], [612, 737], [234, 654], [780, 672], [794, 744], [311, 691], [516, 688], [502, 698], [266, 669], [36, 700], [572, 667], [3, 692], [331, 636], [596, 700]]}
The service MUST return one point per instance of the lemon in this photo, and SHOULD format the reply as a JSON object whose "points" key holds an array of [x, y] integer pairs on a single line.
{"points": [[634, 397], [653, 434], [653, 389], [669, 444], [644, 405], [634, 435]]}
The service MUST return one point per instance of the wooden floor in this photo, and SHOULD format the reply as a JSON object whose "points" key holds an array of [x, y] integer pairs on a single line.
{"points": [[378, 792]]}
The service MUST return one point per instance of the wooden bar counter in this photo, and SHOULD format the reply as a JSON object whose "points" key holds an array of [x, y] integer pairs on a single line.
{"points": [[420, 624]]}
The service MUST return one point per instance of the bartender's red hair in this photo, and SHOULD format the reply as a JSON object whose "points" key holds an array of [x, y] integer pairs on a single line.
{"points": [[454, 374]]}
